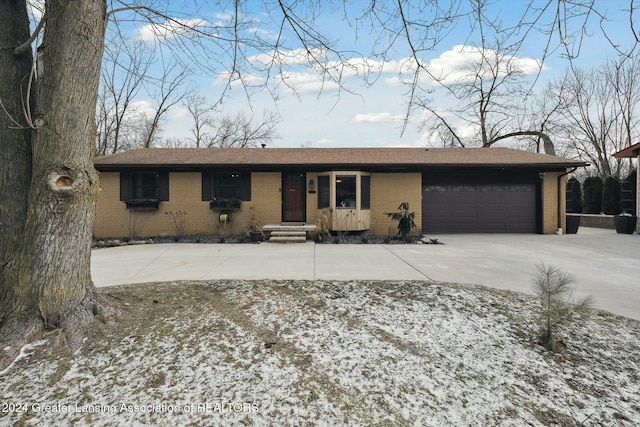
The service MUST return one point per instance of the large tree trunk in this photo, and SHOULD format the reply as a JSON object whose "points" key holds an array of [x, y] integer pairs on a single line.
{"points": [[15, 175], [50, 277]]}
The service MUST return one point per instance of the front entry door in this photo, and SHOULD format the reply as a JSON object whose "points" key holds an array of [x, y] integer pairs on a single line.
{"points": [[293, 197]]}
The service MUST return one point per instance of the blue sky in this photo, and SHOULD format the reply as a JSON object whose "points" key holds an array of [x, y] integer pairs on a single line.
{"points": [[320, 115]]}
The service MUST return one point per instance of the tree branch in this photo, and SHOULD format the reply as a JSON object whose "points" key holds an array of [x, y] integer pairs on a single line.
{"points": [[24, 46], [548, 144]]}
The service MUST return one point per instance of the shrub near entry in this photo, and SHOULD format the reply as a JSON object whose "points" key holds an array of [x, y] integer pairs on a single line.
{"points": [[405, 220], [592, 195], [574, 196], [611, 196]]}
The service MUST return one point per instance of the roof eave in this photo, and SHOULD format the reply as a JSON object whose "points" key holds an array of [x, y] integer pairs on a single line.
{"points": [[334, 166], [629, 152]]}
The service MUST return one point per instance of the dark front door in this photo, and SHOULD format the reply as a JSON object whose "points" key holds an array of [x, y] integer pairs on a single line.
{"points": [[293, 197]]}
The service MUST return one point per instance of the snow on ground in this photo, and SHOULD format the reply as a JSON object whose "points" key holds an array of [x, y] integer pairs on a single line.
{"points": [[328, 353]]}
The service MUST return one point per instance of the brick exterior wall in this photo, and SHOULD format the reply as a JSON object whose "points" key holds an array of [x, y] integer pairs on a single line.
{"points": [[550, 202], [388, 190], [266, 198], [113, 219]]}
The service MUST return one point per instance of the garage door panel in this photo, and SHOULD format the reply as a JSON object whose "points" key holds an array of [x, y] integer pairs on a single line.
{"points": [[479, 208]]}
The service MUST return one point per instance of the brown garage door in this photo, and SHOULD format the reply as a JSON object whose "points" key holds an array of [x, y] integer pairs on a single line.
{"points": [[475, 208]]}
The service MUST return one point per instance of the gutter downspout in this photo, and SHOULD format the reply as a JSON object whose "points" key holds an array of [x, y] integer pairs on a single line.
{"points": [[559, 232]]}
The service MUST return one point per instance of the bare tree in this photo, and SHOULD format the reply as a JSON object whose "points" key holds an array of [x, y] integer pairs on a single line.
{"points": [[167, 93], [489, 90], [240, 131], [625, 77], [124, 69], [201, 113], [228, 131], [600, 112]]}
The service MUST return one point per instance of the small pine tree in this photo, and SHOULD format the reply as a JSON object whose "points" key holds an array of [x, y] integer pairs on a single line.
{"points": [[405, 220], [552, 287], [592, 195], [574, 196], [611, 196]]}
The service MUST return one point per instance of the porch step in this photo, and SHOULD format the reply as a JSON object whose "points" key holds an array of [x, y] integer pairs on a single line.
{"points": [[288, 237], [288, 227]]}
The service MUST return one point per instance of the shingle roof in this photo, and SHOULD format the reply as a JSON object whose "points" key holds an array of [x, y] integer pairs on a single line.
{"points": [[342, 157]]}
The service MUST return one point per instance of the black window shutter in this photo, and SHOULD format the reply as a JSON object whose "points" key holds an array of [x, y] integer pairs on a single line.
{"points": [[245, 186], [206, 186], [163, 186], [125, 186]]}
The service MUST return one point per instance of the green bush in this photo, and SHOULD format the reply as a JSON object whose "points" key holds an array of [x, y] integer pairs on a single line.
{"points": [[611, 196], [574, 196], [592, 195], [405, 220], [629, 185]]}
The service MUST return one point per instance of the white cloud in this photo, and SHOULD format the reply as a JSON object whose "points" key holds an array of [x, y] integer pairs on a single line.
{"points": [[178, 112], [306, 82], [461, 64], [245, 79], [289, 57], [169, 29], [143, 107], [289, 81], [263, 34], [416, 143], [377, 117], [302, 71], [312, 71], [225, 16]]}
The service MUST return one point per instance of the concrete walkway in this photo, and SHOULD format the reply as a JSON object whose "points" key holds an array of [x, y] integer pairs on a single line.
{"points": [[605, 264]]}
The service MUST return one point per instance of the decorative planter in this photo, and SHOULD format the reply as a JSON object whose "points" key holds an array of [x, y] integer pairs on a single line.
{"points": [[625, 224], [225, 204], [573, 223], [143, 204], [255, 236]]}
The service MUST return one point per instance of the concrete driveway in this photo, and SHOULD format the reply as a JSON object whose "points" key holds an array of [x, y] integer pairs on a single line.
{"points": [[604, 264]]}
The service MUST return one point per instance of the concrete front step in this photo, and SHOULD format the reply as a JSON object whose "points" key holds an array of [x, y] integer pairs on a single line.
{"points": [[288, 227], [281, 236], [287, 239]]}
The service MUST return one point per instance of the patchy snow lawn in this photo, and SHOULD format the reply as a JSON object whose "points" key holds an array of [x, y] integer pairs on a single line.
{"points": [[327, 353]]}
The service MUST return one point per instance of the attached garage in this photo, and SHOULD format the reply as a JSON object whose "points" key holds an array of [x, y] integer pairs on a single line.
{"points": [[481, 204]]}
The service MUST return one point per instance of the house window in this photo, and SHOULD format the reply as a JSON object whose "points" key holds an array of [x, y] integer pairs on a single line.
{"points": [[144, 185], [226, 186], [365, 192], [348, 195], [144, 189], [324, 192], [521, 188], [346, 191], [464, 188], [492, 188]]}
